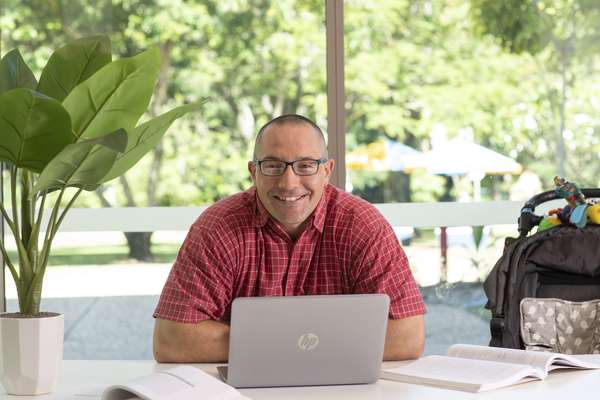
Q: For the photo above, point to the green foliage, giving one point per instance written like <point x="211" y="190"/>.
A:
<point x="14" y="73"/>
<point x="256" y="59"/>
<point x="415" y="70"/>
<point x="521" y="25"/>
<point x="144" y="138"/>
<point x="53" y="146"/>
<point x="34" y="128"/>
<point x="72" y="64"/>
<point x="116" y="98"/>
<point x="84" y="164"/>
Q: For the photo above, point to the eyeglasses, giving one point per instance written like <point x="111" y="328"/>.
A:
<point x="302" y="167"/>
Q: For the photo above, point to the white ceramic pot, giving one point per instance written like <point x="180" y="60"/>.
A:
<point x="31" y="353"/>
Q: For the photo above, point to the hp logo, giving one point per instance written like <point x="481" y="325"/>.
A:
<point x="308" y="341"/>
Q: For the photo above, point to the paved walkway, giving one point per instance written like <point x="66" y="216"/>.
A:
<point x="120" y="327"/>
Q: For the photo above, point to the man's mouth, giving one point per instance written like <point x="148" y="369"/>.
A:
<point x="290" y="199"/>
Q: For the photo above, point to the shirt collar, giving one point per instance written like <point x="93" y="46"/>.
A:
<point x="262" y="216"/>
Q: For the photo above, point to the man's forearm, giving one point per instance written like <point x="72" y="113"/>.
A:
<point x="405" y="339"/>
<point x="207" y="341"/>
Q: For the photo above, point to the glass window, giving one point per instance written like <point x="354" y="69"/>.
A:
<point x="461" y="101"/>
<point x="253" y="60"/>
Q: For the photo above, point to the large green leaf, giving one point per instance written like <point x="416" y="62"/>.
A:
<point x="114" y="97"/>
<point x="33" y="128"/>
<point x="144" y="137"/>
<point x="82" y="164"/>
<point x="72" y="64"/>
<point x="14" y="73"/>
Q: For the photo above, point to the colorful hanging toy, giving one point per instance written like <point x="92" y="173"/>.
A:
<point x="577" y="211"/>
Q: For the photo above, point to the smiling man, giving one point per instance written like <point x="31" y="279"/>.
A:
<point x="291" y="234"/>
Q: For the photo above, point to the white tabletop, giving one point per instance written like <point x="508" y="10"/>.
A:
<point x="90" y="377"/>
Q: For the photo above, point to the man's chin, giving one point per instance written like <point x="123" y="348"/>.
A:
<point x="291" y="222"/>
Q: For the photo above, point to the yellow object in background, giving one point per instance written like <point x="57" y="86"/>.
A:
<point x="593" y="213"/>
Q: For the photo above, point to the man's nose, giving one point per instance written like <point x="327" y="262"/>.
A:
<point x="288" y="179"/>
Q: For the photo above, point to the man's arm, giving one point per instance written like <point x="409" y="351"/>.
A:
<point x="177" y="342"/>
<point x="405" y="339"/>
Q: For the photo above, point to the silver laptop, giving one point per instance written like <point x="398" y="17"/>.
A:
<point x="306" y="340"/>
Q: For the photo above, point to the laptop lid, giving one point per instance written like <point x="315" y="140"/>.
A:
<point x="307" y="340"/>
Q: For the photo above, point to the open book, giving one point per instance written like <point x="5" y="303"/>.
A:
<point x="478" y="368"/>
<point x="179" y="383"/>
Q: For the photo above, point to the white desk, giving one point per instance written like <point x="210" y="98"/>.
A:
<point x="91" y="376"/>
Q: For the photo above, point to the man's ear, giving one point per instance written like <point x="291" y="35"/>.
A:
<point x="252" y="170"/>
<point x="328" y="168"/>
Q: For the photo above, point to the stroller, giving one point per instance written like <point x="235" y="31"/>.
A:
<point x="544" y="291"/>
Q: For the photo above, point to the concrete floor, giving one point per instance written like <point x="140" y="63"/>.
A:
<point x="120" y="327"/>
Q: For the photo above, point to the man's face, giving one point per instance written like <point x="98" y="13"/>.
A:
<point x="290" y="198"/>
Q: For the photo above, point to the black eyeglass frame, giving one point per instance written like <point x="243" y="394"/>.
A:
<point x="292" y="163"/>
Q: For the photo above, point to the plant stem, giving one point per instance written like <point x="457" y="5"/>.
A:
<point x="25" y="267"/>
<point x="6" y="216"/>
<point x="34" y="293"/>
<point x="64" y="213"/>
<point x="35" y="232"/>
<point x="27" y="208"/>
<point x="13" y="196"/>
<point x="27" y="215"/>
<point x="55" y="225"/>
<point x="11" y="267"/>
<point x="50" y="228"/>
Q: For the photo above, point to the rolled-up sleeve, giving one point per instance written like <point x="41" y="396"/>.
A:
<point x="381" y="266"/>
<point x="199" y="286"/>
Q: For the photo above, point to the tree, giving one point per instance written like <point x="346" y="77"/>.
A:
<point x="256" y="59"/>
<point x="563" y="37"/>
<point x="415" y="69"/>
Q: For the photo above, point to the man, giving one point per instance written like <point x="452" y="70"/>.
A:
<point x="290" y="234"/>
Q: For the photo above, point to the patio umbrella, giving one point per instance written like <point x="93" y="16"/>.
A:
<point x="462" y="157"/>
<point x="384" y="155"/>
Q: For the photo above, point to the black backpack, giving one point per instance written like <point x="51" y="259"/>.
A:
<point x="562" y="262"/>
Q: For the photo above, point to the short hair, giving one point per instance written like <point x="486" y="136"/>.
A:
<point x="290" y="119"/>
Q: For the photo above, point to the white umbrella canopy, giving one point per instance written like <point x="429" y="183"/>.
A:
<point x="462" y="157"/>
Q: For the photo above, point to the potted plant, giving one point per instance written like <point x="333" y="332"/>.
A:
<point x="72" y="130"/>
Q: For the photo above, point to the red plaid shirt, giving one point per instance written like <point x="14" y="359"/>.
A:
<point x="235" y="249"/>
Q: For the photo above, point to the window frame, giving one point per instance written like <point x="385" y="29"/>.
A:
<point x="418" y="215"/>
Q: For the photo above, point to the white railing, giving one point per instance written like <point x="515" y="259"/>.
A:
<point x="418" y="215"/>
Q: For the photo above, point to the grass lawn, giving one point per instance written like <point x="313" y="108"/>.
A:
<point x="99" y="255"/>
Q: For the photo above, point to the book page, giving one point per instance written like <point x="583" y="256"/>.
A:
<point x="462" y="373"/>
<point x="545" y="361"/>
<point x="588" y="358"/>
<point x="537" y="359"/>
<point x="181" y="383"/>
<point x="579" y="361"/>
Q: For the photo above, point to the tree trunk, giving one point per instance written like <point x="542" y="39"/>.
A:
<point x="139" y="245"/>
<point x="397" y="188"/>
<point x="561" y="130"/>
